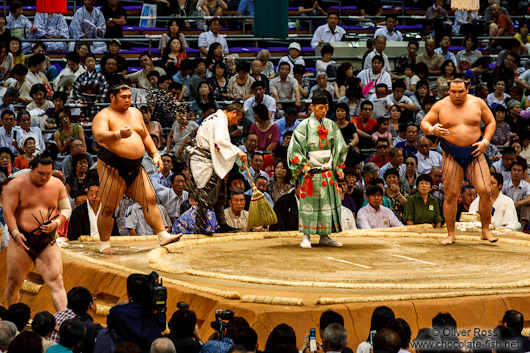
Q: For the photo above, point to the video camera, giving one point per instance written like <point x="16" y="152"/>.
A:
<point x="157" y="293"/>
<point x="221" y="320"/>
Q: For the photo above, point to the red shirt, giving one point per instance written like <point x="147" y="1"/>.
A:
<point x="378" y="161"/>
<point x="504" y="22"/>
<point x="368" y="128"/>
<point x="268" y="165"/>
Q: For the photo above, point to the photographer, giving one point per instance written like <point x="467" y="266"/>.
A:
<point x="136" y="320"/>
<point x="182" y="326"/>
<point x="232" y="332"/>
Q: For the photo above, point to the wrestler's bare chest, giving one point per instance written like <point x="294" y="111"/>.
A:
<point x="452" y="116"/>
<point x="32" y="197"/>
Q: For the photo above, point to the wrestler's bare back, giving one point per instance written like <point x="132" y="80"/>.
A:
<point x="462" y="121"/>
<point x="109" y="119"/>
<point x="32" y="200"/>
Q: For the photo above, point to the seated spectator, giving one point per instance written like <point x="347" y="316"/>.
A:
<point x="478" y="68"/>
<point x="110" y="71"/>
<point x="259" y="97"/>
<point x="186" y="222"/>
<point x="136" y="224"/>
<point x="395" y="161"/>
<point x="423" y="207"/>
<point x="255" y="168"/>
<point x="287" y="138"/>
<point x="256" y="69"/>
<point x="281" y="181"/>
<point x="374" y="75"/>
<point x="72" y="332"/>
<point x="6" y="160"/>
<point x="502" y="130"/>
<point x="409" y="146"/>
<point x="288" y="123"/>
<point x="481" y="91"/>
<point x="8" y="332"/>
<point x="469" y="55"/>
<point x="329" y="32"/>
<point x="218" y="82"/>
<point x="19" y="314"/>
<point x="286" y="209"/>
<point x="140" y="76"/>
<point x="395" y="193"/>
<point x="173" y="56"/>
<point x="75" y="183"/>
<point x="24" y="130"/>
<point x="395" y="118"/>
<point x="285" y="87"/>
<point x="346" y="215"/>
<point x="507" y="71"/>
<point x="40" y="104"/>
<point x="236" y="216"/>
<point x="135" y="322"/>
<point x="268" y="67"/>
<point x="409" y="58"/>
<point x="28" y="145"/>
<point x="204" y="97"/>
<point x="515" y="321"/>
<point x="408" y="179"/>
<point x="443" y="50"/>
<point x="353" y="98"/>
<point x="84" y="217"/>
<point x="380" y="46"/>
<point x="261" y="183"/>
<point x="198" y="76"/>
<point x="322" y="85"/>
<point x="172" y="198"/>
<point x="17" y="81"/>
<point x="432" y="59"/>
<point x="501" y="26"/>
<point x="381" y="184"/>
<point x="504" y="214"/>
<point x="375" y="215"/>
<point x="365" y="124"/>
<point x="381" y="131"/>
<point x="448" y="72"/>
<point x="347" y="128"/>
<point x="518" y="190"/>
<point x="115" y="18"/>
<point x="322" y="64"/>
<point x="240" y="85"/>
<point x="468" y="196"/>
<point x="182" y="331"/>
<point x="83" y="49"/>
<point x="370" y="172"/>
<point x="7" y="132"/>
<point x="411" y="79"/>
<point x="26" y="342"/>
<point x="388" y="31"/>
<point x="523" y="36"/>
<point x="343" y="79"/>
<point x="173" y="31"/>
<point x="303" y="81"/>
<point x="498" y="97"/>
<point x="79" y="29"/>
<point x="180" y="133"/>
<point x="467" y="22"/>
<point x="268" y="132"/>
<point x="35" y="75"/>
<point x="212" y="36"/>
<point x="77" y="146"/>
<point x="381" y="157"/>
<point x="15" y="48"/>
<point x="90" y="87"/>
<point x="64" y="81"/>
<point x="52" y="26"/>
<point x="504" y="165"/>
<point x="428" y="102"/>
<point x="167" y="171"/>
<point x="66" y="131"/>
<point x="427" y="158"/>
<point x="422" y="90"/>
<point x="43" y="324"/>
<point x="292" y="58"/>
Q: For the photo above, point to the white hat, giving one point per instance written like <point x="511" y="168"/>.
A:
<point x="295" y="45"/>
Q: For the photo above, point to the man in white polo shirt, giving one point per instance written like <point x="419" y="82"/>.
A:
<point x="329" y="32"/>
<point x="212" y="36"/>
<point x="388" y="31"/>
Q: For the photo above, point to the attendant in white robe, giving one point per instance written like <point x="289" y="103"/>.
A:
<point x="89" y="22"/>
<point x="210" y="161"/>
<point x="52" y="26"/>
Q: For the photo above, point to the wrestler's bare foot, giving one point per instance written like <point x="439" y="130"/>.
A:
<point x="486" y="235"/>
<point x="449" y="240"/>
<point x="165" y="238"/>
<point x="108" y="251"/>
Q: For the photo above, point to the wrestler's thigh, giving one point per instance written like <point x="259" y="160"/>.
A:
<point x="49" y="263"/>
<point x="18" y="262"/>
<point x="480" y="176"/>
<point x="141" y="190"/>
<point x="452" y="174"/>
<point x="111" y="185"/>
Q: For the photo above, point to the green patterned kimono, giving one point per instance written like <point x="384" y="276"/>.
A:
<point x="320" y="203"/>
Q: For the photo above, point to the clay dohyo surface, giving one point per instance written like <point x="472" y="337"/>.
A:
<point x="378" y="266"/>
